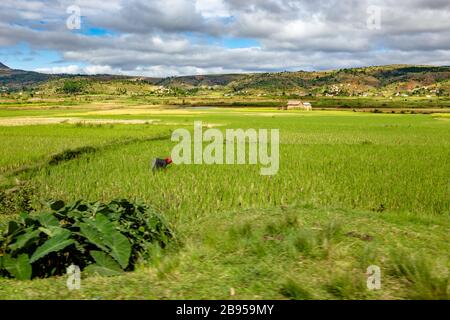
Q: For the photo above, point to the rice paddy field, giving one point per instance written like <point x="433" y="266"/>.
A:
<point x="353" y="190"/>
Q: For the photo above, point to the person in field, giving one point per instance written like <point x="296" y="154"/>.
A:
<point x="158" y="163"/>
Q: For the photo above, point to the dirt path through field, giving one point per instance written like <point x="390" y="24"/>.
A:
<point x="27" y="121"/>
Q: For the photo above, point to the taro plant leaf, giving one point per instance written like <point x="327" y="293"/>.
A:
<point x="48" y="220"/>
<point x="104" y="265"/>
<point x="112" y="215"/>
<point x="101" y="208"/>
<point x="56" y="243"/>
<point x="93" y="235"/>
<point x="19" y="268"/>
<point x="120" y="248"/>
<point x="73" y="214"/>
<point x="27" y="220"/>
<point x="117" y="242"/>
<point x="24" y="239"/>
<point x="53" y="231"/>
<point x="107" y="235"/>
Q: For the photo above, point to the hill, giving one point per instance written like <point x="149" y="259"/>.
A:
<point x="13" y="79"/>
<point x="385" y="80"/>
<point x="346" y="81"/>
<point x="17" y="79"/>
<point x="201" y="80"/>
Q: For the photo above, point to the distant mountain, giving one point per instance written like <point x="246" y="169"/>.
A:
<point x="201" y="80"/>
<point x="17" y="79"/>
<point x="346" y="81"/>
<point x="356" y="81"/>
<point x="3" y="67"/>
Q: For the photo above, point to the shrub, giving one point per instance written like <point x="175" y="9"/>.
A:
<point x="71" y="86"/>
<point x="104" y="239"/>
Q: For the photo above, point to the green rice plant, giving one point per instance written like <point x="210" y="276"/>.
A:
<point x="21" y="146"/>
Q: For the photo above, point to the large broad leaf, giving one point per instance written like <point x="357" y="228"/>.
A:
<point x="19" y="268"/>
<point x="93" y="235"/>
<point x="102" y="232"/>
<point x="104" y="265"/>
<point x="24" y="239"/>
<point x="120" y="248"/>
<point x="53" y="244"/>
<point x="54" y="231"/>
<point x="27" y="220"/>
<point x="48" y="220"/>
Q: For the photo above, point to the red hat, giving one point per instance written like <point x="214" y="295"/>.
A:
<point x="168" y="160"/>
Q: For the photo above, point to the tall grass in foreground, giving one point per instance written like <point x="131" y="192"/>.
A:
<point x="423" y="280"/>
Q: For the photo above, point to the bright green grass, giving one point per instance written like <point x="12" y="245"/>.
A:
<point x="27" y="144"/>
<point x="385" y="177"/>
<point x="365" y="162"/>
<point x="6" y="113"/>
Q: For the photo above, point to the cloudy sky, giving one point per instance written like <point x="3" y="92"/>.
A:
<point x="178" y="37"/>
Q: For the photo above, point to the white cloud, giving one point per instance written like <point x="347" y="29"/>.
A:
<point x="176" y="37"/>
<point x="72" y="69"/>
<point x="99" y="70"/>
<point x="75" y="69"/>
<point x="212" y="8"/>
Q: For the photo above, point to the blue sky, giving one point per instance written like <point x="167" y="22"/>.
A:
<point x="21" y="56"/>
<point x="178" y="37"/>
